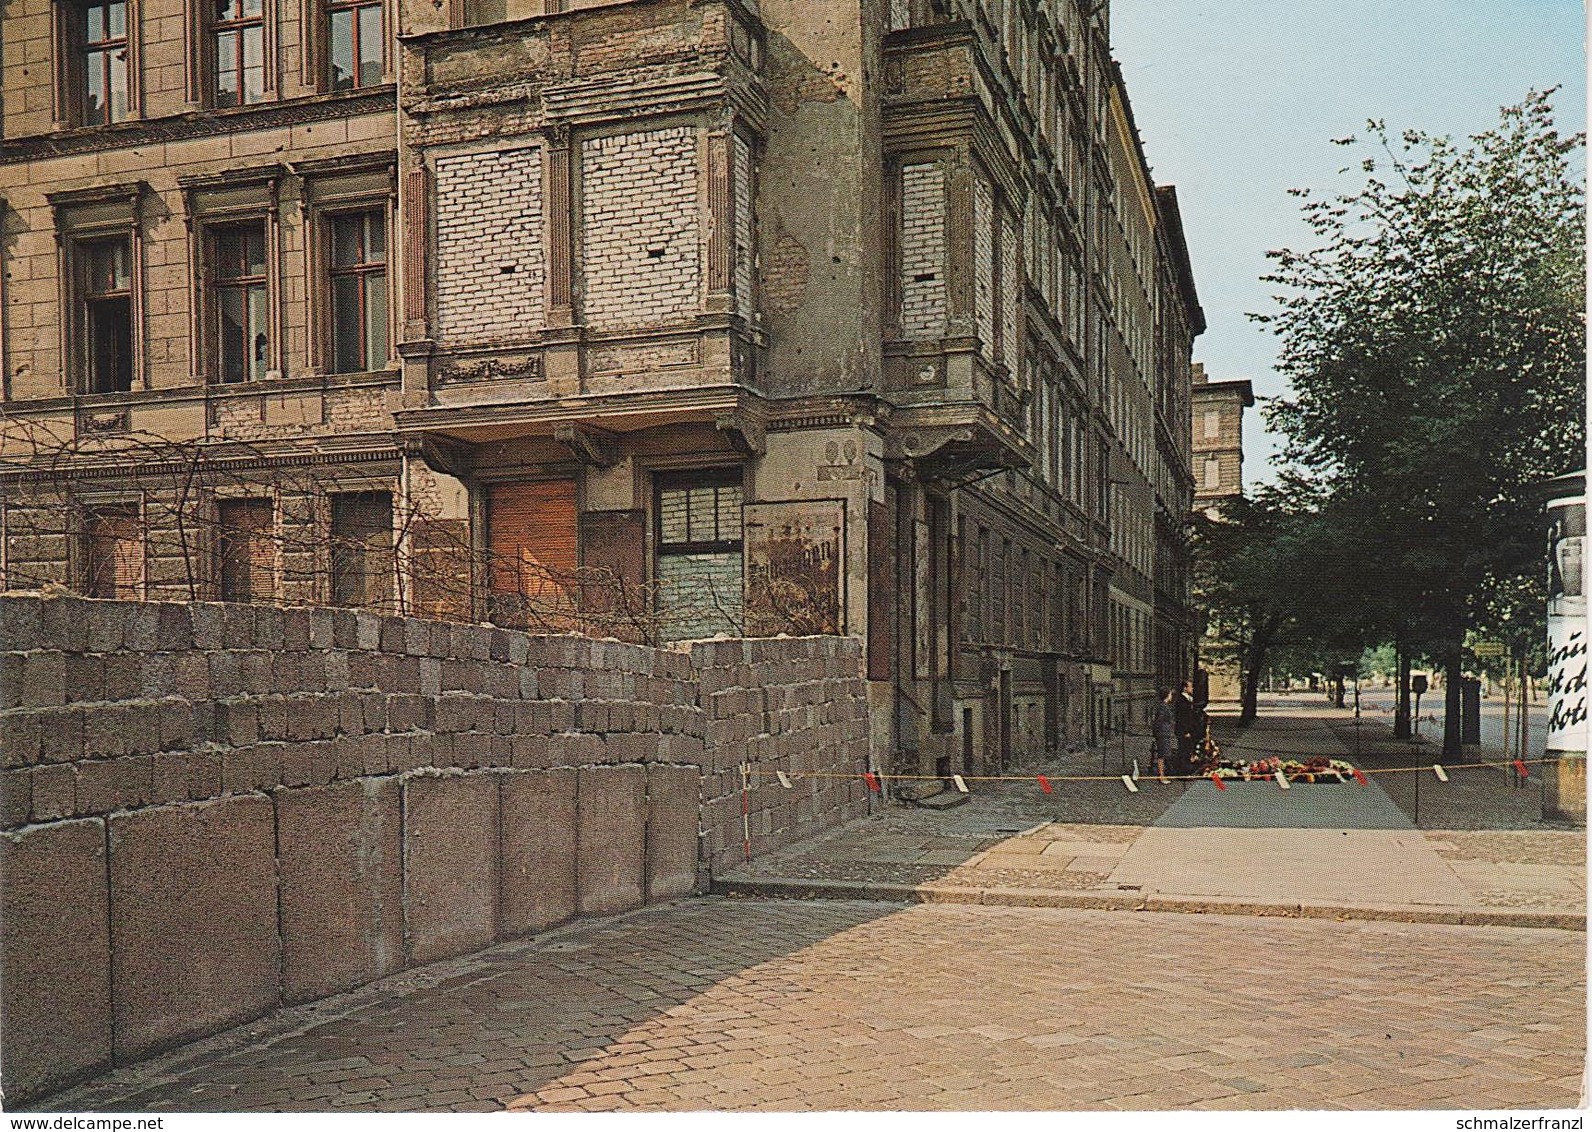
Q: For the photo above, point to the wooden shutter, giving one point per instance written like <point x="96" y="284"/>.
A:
<point x="531" y="534"/>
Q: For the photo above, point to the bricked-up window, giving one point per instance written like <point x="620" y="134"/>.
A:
<point x="699" y="554"/>
<point x="473" y="13"/>
<point x="362" y="562"/>
<point x="105" y="297"/>
<point x="246" y="549"/>
<point x="355" y="46"/>
<point x="358" y="285"/>
<point x="239" y="301"/>
<point x="113" y="551"/>
<point x="97" y="53"/>
<point x="237" y="51"/>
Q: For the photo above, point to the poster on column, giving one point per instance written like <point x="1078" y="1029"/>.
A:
<point x="794" y="555"/>
<point x="1567" y="627"/>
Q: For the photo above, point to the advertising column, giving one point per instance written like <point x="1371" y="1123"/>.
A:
<point x="1565" y="774"/>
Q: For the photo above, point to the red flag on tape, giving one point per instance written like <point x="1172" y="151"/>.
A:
<point x="1360" y="778"/>
<point x="1521" y="768"/>
<point x="1044" y="784"/>
<point x="1220" y="785"/>
<point x="872" y="780"/>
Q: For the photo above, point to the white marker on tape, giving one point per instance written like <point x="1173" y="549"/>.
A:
<point x="784" y="779"/>
<point x="1442" y="775"/>
<point x="960" y="785"/>
<point x="1282" y="779"/>
<point x="1127" y="780"/>
<point x="1135" y="770"/>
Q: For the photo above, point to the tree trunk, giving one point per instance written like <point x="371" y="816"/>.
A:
<point x="1401" y="712"/>
<point x="1254" y="662"/>
<point x="1453" y="680"/>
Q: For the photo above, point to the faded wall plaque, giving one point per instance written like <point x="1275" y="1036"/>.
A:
<point x="794" y="553"/>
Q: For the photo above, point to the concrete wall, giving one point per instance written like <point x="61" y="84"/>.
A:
<point x="208" y="810"/>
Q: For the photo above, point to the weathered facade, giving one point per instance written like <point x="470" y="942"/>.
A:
<point x="657" y="318"/>
<point x="1218" y="419"/>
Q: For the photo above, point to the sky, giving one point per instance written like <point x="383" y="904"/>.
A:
<point x="1238" y="101"/>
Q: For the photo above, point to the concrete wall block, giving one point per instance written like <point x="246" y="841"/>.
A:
<point x="44" y="680"/>
<point x="673" y="812"/>
<point x="55" y="962"/>
<point x="342" y="886"/>
<point x="64" y="623"/>
<point x="451" y="829"/>
<point x="114" y="784"/>
<point x="610" y="839"/>
<point x="21" y="623"/>
<point x="16" y="797"/>
<point x="193" y="921"/>
<point x="539" y="854"/>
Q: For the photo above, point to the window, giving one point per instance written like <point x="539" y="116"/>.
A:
<point x="97" y="54"/>
<point x="699" y="555"/>
<point x="247" y="550"/>
<point x="362" y="561"/>
<point x="358" y="272"/>
<point x="1213" y="423"/>
<point x="105" y="295"/>
<point x="113" y="552"/>
<point x="237" y="44"/>
<point x="240" y="307"/>
<point x="354" y="35"/>
<point x="1213" y="473"/>
<point x="474" y="13"/>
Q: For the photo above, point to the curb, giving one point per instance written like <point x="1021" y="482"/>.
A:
<point x="780" y="888"/>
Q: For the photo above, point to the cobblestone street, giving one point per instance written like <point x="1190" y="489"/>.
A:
<point x="746" y="1004"/>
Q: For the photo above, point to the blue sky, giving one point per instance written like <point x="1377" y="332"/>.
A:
<point x="1238" y="101"/>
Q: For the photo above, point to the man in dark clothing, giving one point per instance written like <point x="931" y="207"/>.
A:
<point x="1187" y="718"/>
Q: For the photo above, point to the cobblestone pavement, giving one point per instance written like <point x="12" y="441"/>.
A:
<point x="731" y="1004"/>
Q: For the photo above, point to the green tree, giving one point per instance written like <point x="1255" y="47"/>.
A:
<point x="1436" y="348"/>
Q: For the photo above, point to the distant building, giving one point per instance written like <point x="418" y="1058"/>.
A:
<point x="1218" y="415"/>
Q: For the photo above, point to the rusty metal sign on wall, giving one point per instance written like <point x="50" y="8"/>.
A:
<point x="794" y="554"/>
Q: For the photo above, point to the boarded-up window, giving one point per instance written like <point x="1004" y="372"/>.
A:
<point x="531" y="533"/>
<point x="113" y="552"/>
<point x="362" y="549"/>
<point x="247" y="549"/>
<point x="793" y="553"/>
<point x="699" y="556"/>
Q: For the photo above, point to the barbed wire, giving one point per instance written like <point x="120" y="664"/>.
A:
<point x="133" y="514"/>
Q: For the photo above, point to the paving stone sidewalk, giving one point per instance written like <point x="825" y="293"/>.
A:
<point x="795" y="1006"/>
<point x="1317" y="849"/>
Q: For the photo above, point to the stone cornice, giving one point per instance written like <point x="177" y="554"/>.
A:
<point x="199" y="124"/>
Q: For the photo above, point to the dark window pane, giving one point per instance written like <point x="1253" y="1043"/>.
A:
<point x="348" y="240"/>
<point x="342" y="52"/>
<point x="375" y="321"/>
<point x="370" y="45"/>
<point x="232" y="305"/>
<point x="108" y="267"/>
<point x="347" y="330"/>
<point x="376" y="242"/>
<point x="110" y="329"/>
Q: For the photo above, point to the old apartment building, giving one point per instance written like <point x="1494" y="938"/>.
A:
<point x="1218" y="418"/>
<point x="658" y="318"/>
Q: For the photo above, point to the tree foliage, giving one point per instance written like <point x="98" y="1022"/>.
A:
<point x="1435" y="346"/>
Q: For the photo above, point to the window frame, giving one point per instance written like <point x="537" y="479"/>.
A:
<point x="203" y="57"/>
<point x="249" y="196"/>
<point x="69" y="33"/>
<point x="84" y="218"/>
<point x="320" y="65"/>
<point x="329" y="272"/>
<point x="216" y="283"/>
<point x="87" y="510"/>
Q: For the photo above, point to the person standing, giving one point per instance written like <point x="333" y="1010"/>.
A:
<point x="1165" y="728"/>
<point x="1186" y="718"/>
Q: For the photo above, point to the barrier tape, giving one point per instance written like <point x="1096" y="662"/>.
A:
<point x="1047" y="782"/>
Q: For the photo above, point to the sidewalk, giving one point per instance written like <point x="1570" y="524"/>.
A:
<point x="1477" y="856"/>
